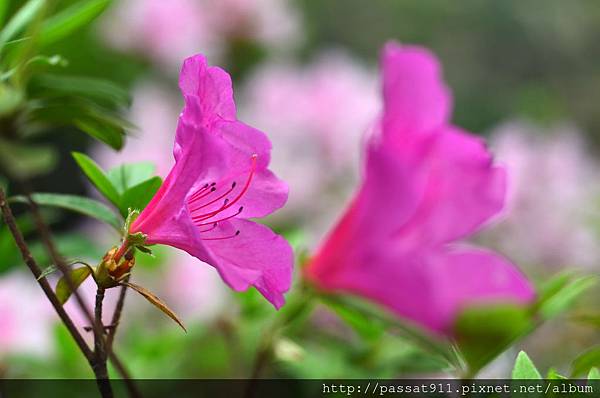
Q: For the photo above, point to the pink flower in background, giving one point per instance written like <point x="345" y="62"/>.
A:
<point x="553" y="183"/>
<point x="220" y="179"/>
<point x="316" y="118"/>
<point x="192" y="291"/>
<point x="426" y="185"/>
<point x="169" y="30"/>
<point x="26" y="317"/>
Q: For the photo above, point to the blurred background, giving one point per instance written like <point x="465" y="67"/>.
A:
<point x="524" y="74"/>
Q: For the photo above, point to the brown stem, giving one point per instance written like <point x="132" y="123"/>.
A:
<point x="132" y="389"/>
<point x="59" y="261"/>
<point x="43" y="282"/>
<point x="99" y="366"/>
<point x="116" y="316"/>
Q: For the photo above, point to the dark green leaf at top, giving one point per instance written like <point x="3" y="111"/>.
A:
<point x="71" y="19"/>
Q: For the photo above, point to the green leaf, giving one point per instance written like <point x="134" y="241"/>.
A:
<point x="79" y="204"/>
<point x="588" y="319"/>
<point x="19" y="21"/>
<point x="483" y="333"/>
<point x="585" y="362"/>
<point x="78" y="275"/>
<point x="97" y="177"/>
<point x="128" y="175"/>
<point x="365" y="326"/>
<point x="554" y="375"/>
<point x="10" y="99"/>
<point x="70" y="19"/>
<point x="138" y="196"/>
<point x="594" y="374"/>
<point x="561" y="294"/>
<point x="25" y="161"/>
<point x="110" y="135"/>
<point x="524" y="368"/>
<point x="91" y="88"/>
<point x="48" y="271"/>
<point x="88" y="116"/>
<point x="3" y="11"/>
<point x="158" y="303"/>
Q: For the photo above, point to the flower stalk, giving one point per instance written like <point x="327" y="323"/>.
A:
<point x="28" y="259"/>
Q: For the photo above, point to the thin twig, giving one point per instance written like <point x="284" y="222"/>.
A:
<point x="43" y="282"/>
<point x="100" y="368"/>
<point x="98" y="329"/>
<point x="132" y="388"/>
<point x="59" y="261"/>
<point x="116" y="316"/>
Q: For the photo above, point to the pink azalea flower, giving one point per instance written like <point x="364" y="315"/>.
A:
<point x="289" y="100"/>
<point x="553" y="186"/>
<point x="220" y="179"/>
<point x="168" y="30"/>
<point x="426" y="185"/>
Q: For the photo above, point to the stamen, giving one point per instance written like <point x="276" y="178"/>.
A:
<point x="201" y="193"/>
<point x="237" y="198"/>
<point x="214" y="225"/>
<point x="195" y="219"/>
<point x="224" y="237"/>
<point x="212" y="201"/>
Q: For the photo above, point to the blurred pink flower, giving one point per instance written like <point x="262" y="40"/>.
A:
<point x="427" y="184"/>
<point x="219" y="181"/>
<point x="192" y="291"/>
<point x="26" y="317"/>
<point x="316" y="118"/>
<point x="552" y="191"/>
<point x="170" y="30"/>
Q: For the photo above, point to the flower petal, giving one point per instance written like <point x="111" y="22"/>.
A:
<point x="429" y="288"/>
<point x="256" y="257"/>
<point x="210" y="84"/>
<point x="416" y="98"/>
<point x="464" y="189"/>
<point x="474" y="276"/>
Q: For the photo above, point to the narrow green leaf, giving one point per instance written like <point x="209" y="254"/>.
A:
<point x="79" y="204"/>
<point x="554" y="375"/>
<point x="585" y="362"/>
<point x="484" y="332"/>
<point x="594" y="374"/>
<point x="366" y="327"/>
<point x="78" y="276"/>
<point x="3" y="11"/>
<point x="138" y="196"/>
<point x="48" y="271"/>
<point x="25" y="161"/>
<point x="524" y="368"/>
<point x="562" y="299"/>
<point x="158" y="303"/>
<point x="70" y="19"/>
<point x="93" y="88"/>
<point x="110" y="135"/>
<point x="97" y="177"/>
<point x="129" y="175"/>
<point x="592" y="319"/>
<point x="19" y="21"/>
